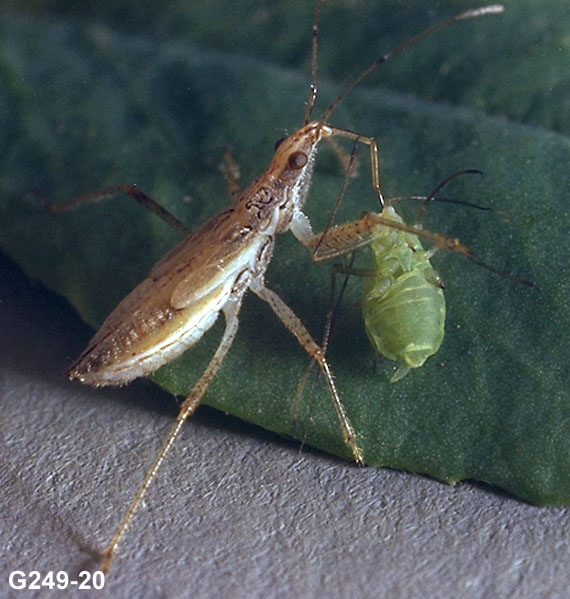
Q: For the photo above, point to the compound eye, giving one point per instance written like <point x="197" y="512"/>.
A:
<point x="278" y="143"/>
<point x="297" y="160"/>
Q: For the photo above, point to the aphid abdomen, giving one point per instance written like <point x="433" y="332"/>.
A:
<point x="407" y="322"/>
<point x="403" y="303"/>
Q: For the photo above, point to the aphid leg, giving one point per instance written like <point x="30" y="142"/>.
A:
<point x="188" y="407"/>
<point x="132" y="192"/>
<point x="292" y="322"/>
<point x="230" y="169"/>
<point x="452" y="244"/>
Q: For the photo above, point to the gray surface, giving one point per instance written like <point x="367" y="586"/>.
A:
<point x="236" y="512"/>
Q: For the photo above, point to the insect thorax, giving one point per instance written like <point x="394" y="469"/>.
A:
<point x="398" y="252"/>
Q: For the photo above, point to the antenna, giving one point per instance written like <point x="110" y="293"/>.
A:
<point x="492" y="9"/>
<point x="314" y="43"/>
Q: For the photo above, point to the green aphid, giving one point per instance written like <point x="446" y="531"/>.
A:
<point x="402" y="301"/>
<point x="403" y="305"/>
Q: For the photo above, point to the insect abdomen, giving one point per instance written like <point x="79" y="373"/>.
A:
<point x="145" y="340"/>
<point x="407" y="322"/>
<point x="403" y="303"/>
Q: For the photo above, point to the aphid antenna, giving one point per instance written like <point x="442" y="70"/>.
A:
<point x="394" y="51"/>
<point x="433" y="197"/>
<point x="438" y="240"/>
<point x="469" y="254"/>
<point x="440" y="200"/>
<point x="423" y="207"/>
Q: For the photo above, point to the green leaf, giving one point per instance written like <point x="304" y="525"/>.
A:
<point x="83" y="107"/>
<point x="515" y="65"/>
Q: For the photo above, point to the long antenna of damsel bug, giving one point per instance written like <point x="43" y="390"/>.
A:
<point x="492" y="9"/>
<point x="314" y="44"/>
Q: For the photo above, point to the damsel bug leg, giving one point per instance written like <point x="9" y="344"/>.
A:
<point x="331" y="311"/>
<point x="210" y="270"/>
<point x="292" y="322"/>
<point x="188" y="407"/>
<point x="230" y="169"/>
<point x="132" y="191"/>
<point x="403" y="304"/>
<point x="345" y="238"/>
<point x="347" y="160"/>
